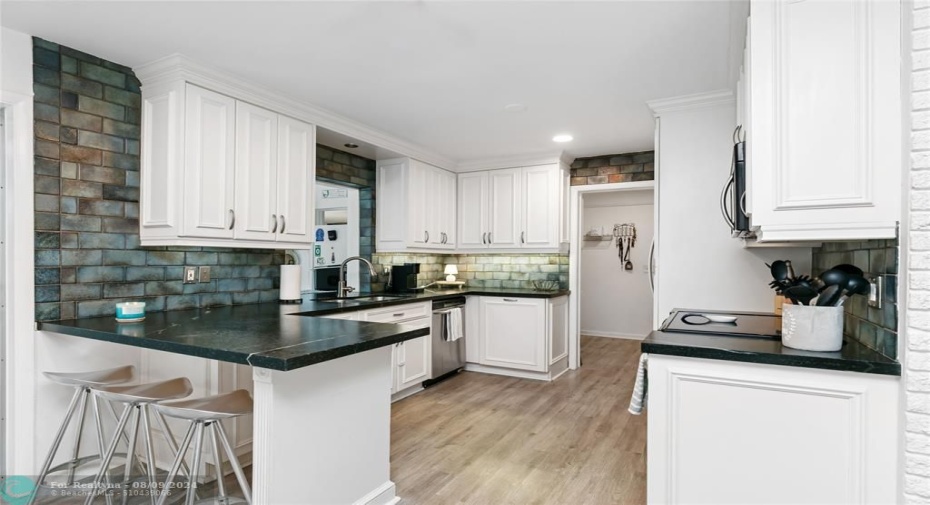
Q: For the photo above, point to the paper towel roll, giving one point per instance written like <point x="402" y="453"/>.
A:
<point x="290" y="283"/>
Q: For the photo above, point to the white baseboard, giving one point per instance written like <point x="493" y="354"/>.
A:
<point x="509" y="372"/>
<point x="385" y="494"/>
<point x="610" y="334"/>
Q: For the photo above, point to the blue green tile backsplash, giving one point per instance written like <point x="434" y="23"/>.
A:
<point x="876" y="328"/>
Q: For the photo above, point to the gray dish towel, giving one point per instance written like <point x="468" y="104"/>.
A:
<point x="641" y="387"/>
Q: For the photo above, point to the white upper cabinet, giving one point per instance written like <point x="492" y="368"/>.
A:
<point x="514" y="208"/>
<point x="473" y="210"/>
<point x="416" y="206"/>
<point x="296" y="177"/>
<point x="826" y="136"/>
<point x="256" y="172"/>
<point x="245" y="173"/>
<point x="209" y="175"/>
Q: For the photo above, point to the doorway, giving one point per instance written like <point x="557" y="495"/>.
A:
<point x="3" y="280"/>
<point x="336" y="237"/>
<point x="616" y="293"/>
<point x="610" y="204"/>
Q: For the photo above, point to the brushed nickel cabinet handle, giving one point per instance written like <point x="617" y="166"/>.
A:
<point x="283" y="223"/>
<point x="274" y="223"/>
<point x="522" y="237"/>
<point x="484" y="238"/>
<point x="511" y="300"/>
<point x="398" y="315"/>
<point x="427" y="237"/>
<point x="490" y="237"/>
<point x="232" y="218"/>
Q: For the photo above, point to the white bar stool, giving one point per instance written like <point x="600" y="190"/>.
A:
<point x="83" y="383"/>
<point x="208" y="412"/>
<point x="137" y="398"/>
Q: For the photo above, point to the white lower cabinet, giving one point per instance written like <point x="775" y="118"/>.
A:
<point x="522" y="337"/>
<point x="411" y="359"/>
<point x="745" y="433"/>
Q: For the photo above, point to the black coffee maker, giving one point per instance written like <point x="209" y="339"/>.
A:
<point x="404" y="278"/>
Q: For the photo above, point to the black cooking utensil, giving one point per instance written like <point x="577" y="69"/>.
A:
<point x="779" y="270"/>
<point x="830" y="295"/>
<point x="834" y="278"/>
<point x="848" y="269"/>
<point x="801" y="294"/>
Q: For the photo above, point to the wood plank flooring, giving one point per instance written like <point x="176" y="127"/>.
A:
<point x="488" y="440"/>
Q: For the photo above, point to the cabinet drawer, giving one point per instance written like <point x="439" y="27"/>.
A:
<point x="397" y="313"/>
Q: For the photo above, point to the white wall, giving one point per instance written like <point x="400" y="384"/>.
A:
<point x="914" y="345"/>
<point x="698" y="265"/>
<point x="616" y="302"/>
<point x="20" y="375"/>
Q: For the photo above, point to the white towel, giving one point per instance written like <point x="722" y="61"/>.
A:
<point x="641" y="387"/>
<point x="454" y="325"/>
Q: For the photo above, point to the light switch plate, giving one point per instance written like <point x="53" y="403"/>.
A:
<point x="204" y="274"/>
<point x="877" y="291"/>
<point x="190" y="275"/>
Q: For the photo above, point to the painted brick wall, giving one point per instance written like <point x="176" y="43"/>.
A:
<point x="351" y="170"/>
<point x="629" y="167"/>
<point x="485" y="270"/>
<point x="916" y="352"/>
<point x="876" y="328"/>
<point x="87" y="126"/>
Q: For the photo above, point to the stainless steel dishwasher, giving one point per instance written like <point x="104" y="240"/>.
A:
<point x="448" y="357"/>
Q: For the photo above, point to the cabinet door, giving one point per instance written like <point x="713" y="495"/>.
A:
<point x="413" y="362"/>
<point x="256" y="172"/>
<point x="826" y="119"/>
<point x="540" y="212"/>
<point x="391" y="200"/>
<point x="447" y="208"/>
<point x="504" y="198"/>
<point x="296" y="176"/>
<point x="513" y="333"/>
<point x="209" y="164"/>
<point x="472" y="210"/>
<point x="432" y="206"/>
<point x="417" y="210"/>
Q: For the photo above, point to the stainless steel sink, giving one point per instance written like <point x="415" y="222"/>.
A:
<point x="377" y="298"/>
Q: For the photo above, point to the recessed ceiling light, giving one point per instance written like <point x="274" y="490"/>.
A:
<point x="351" y="145"/>
<point x="515" y="107"/>
<point x="563" y="137"/>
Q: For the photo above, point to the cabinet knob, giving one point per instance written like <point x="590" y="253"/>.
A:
<point x="283" y="223"/>
<point x="232" y="218"/>
<point x="274" y="223"/>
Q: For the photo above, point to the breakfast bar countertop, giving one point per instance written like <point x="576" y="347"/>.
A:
<point x="264" y="335"/>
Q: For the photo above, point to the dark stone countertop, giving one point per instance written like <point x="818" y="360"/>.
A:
<point x="267" y="335"/>
<point x="853" y="357"/>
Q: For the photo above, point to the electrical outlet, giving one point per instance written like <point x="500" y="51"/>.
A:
<point x="190" y="275"/>
<point x="204" y="274"/>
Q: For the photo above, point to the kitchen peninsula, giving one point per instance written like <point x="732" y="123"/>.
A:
<point x="322" y="390"/>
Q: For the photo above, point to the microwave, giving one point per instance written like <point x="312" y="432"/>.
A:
<point x="733" y="196"/>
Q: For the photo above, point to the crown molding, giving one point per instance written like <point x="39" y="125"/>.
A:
<point x="179" y="67"/>
<point x="523" y="160"/>
<point x="689" y="102"/>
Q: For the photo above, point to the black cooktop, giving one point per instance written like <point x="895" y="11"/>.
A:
<point x="744" y="324"/>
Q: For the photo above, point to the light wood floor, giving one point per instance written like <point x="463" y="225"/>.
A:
<point x="488" y="440"/>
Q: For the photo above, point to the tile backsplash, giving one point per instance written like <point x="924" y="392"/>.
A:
<point x="876" y="328"/>
<point x="484" y="270"/>
<point x="88" y="257"/>
<point x="611" y="168"/>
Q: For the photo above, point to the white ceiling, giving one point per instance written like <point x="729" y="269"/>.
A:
<point x="435" y="74"/>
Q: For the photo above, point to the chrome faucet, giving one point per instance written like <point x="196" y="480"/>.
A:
<point x="341" y="289"/>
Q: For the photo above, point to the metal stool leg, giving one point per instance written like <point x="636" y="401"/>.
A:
<point x="101" y="446"/>
<point x="217" y="462"/>
<point x="234" y="461"/>
<point x="120" y="426"/>
<point x="149" y="451"/>
<point x="173" y="472"/>
<point x="131" y="452"/>
<point x="198" y="448"/>
<point x="54" y="449"/>
<point x="75" y="453"/>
